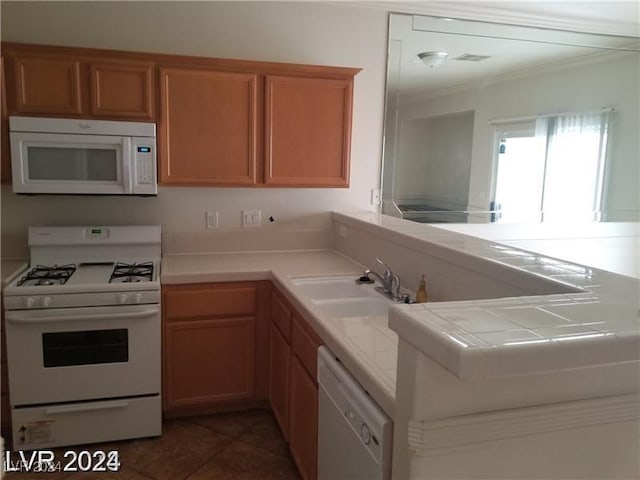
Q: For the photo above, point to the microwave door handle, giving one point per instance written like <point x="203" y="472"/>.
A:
<point x="26" y="317"/>
<point x="127" y="165"/>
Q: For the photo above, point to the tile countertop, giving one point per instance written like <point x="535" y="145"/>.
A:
<point x="477" y="339"/>
<point x="10" y="267"/>
<point x="365" y="345"/>
<point x="473" y="339"/>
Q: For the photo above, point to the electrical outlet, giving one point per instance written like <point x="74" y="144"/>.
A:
<point x="212" y="220"/>
<point x="251" y="218"/>
<point x="342" y="231"/>
<point x="375" y="196"/>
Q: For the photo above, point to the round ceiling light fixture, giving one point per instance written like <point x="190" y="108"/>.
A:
<point x="432" y="59"/>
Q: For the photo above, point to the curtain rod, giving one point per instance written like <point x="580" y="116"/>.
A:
<point x="502" y="121"/>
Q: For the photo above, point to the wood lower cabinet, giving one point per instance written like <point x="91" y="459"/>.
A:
<point x="208" y="127"/>
<point x="210" y="361"/>
<point x="303" y="420"/>
<point x="230" y="345"/>
<point x="214" y="345"/>
<point x="279" y="368"/>
<point x="293" y="383"/>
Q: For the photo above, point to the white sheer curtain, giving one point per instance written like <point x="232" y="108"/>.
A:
<point x="574" y="171"/>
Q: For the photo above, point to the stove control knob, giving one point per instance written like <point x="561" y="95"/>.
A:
<point x="122" y="298"/>
<point x="137" y="298"/>
<point x="365" y="434"/>
<point x="29" y="302"/>
<point x="46" y="301"/>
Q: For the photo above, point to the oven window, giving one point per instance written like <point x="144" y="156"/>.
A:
<point x="90" y="347"/>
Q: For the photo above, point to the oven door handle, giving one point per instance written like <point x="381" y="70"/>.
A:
<point x="23" y="317"/>
<point x="87" y="407"/>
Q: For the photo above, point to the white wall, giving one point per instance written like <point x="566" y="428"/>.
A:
<point x="296" y="32"/>
<point x="434" y="161"/>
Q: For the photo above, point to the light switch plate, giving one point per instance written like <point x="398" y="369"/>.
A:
<point x="251" y="218"/>
<point x="212" y="220"/>
<point x="375" y="196"/>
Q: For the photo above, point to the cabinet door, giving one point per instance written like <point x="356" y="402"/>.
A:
<point x="307" y="131"/>
<point x="208" y="361"/>
<point x="280" y="357"/>
<point x="121" y="89"/>
<point x="48" y="85"/>
<point x="208" y="127"/>
<point x="5" y="159"/>
<point x="5" y="404"/>
<point x="281" y="315"/>
<point x="303" y="420"/>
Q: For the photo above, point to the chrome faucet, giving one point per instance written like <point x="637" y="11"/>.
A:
<point x="389" y="281"/>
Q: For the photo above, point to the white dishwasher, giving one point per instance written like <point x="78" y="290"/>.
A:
<point x="354" y="434"/>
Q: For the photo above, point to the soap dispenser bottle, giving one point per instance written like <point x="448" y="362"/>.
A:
<point x="421" y="294"/>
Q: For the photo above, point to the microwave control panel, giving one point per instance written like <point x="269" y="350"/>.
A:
<point x="145" y="164"/>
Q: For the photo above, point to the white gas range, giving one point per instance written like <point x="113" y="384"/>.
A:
<point x="83" y="327"/>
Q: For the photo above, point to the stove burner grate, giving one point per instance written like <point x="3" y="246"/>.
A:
<point x="48" y="275"/>
<point x="132" y="272"/>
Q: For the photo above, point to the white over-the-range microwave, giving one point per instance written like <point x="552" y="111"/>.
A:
<point x="87" y="157"/>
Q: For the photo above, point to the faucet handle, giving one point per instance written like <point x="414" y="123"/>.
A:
<point x="388" y="272"/>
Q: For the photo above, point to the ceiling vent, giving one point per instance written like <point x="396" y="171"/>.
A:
<point x="469" y="57"/>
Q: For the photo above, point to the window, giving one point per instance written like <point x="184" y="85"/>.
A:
<point x="550" y="169"/>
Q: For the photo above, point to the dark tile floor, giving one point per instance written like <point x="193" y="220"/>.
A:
<point x="244" y="445"/>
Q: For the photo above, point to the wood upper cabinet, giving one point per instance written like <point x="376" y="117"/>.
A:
<point x="5" y="156"/>
<point x="208" y="127"/>
<point x="122" y="89"/>
<point x="214" y="344"/>
<point x="75" y="82"/>
<point x="47" y="85"/>
<point x="221" y="122"/>
<point x="307" y="131"/>
<point x="240" y="125"/>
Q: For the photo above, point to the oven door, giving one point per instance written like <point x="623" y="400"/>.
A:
<point x="73" y="354"/>
<point x="71" y="164"/>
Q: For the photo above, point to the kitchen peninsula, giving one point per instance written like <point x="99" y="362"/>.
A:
<point x="575" y="348"/>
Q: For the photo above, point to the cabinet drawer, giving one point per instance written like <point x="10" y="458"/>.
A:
<point x="201" y="301"/>
<point x="304" y="345"/>
<point x="281" y="316"/>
